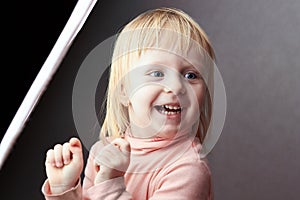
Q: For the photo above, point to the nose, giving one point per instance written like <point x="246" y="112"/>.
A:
<point x="175" y="84"/>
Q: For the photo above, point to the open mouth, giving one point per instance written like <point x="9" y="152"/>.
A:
<point x="168" y="109"/>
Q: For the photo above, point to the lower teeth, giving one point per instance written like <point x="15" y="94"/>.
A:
<point x="170" y="113"/>
<point x="162" y="110"/>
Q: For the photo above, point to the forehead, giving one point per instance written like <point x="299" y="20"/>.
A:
<point x="161" y="57"/>
<point x="141" y="47"/>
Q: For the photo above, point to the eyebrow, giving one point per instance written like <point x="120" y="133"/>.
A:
<point x="160" y="63"/>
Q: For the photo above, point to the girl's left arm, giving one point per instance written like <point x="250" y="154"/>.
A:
<point x="111" y="189"/>
<point x="188" y="179"/>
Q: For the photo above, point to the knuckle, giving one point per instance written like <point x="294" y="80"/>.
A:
<point x="67" y="144"/>
<point x="66" y="149"/>
<point x="49" y="154"/>
<point x="50" y="151"/>
<point x="57" y="146"/>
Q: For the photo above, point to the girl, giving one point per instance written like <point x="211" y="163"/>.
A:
<point x="157" y="113"/>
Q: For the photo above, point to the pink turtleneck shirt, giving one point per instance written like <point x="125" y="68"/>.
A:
<point x="159" y="169"/>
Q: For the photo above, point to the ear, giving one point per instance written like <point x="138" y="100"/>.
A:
<point x="124" y="97"/>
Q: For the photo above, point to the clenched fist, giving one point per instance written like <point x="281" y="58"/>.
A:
<point x="112" y="161"/>
<point x="64" y="164"/>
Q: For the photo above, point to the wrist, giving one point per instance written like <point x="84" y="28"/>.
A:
<point x="59" y="189"/>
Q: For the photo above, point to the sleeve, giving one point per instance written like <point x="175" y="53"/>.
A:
<point x="113" y="189"/>
<point x="71" y="194"/>
<point x="186" y="180"/>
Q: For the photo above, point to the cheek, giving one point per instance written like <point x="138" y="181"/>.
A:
<point x="141" y="105"/>
<point x="200" y="92"/>
<point x="142" y="99"/>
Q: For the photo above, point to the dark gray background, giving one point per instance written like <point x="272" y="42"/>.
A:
<point x="257" y="45"/>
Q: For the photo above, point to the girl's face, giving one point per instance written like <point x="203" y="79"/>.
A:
<point x="165" y="93"/>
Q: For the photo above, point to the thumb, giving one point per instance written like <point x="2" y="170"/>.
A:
<point x="122" y="144"/>
<point x="76" y="149"/>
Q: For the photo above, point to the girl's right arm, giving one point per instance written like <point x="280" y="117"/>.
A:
<point x="64" y="164"/>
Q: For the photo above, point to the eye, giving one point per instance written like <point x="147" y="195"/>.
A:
<point x="157" y="74"/>
<point x="191" y="75"/>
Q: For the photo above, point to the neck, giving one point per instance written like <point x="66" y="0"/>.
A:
<point x="148" y="133"/>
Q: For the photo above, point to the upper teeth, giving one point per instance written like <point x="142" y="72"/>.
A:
<point x="172" y="107"/>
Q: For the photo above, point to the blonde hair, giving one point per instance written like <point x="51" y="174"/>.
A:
<point x="138" y="35"/>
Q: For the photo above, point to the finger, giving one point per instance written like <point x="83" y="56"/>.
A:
<point x="101" y="155"/>
<point x="50" y="157"/>
<point x="76" y="149"/>
<point x="75" y="145"/>
<point x="104" y="161"/>
<point x="114" y="158"/>
<point x="122" y="144"/>
<point x="58" y="155"/>
<point x="106" y="154"/>
<point x="66" y="153"/>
